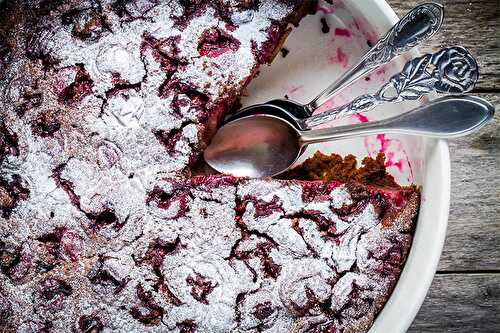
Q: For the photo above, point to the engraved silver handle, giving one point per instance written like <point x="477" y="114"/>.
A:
<point x="451" y="70"/>
<point x="446" y="117"/>
<point x="418" y="25"/>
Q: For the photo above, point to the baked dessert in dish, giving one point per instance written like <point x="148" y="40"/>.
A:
<point x="105" y="108"/>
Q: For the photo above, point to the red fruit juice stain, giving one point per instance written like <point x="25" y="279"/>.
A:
<point x="361" y="117"/>
<point x="343" y="32"/>
<point x="385" y="144"/>
<point x="325" y="10"/>
<point x="357" y="24"/>
<point x="339" y="58"/>
<point x="294" y="90"/>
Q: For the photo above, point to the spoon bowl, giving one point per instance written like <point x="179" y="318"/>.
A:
<point x="254" y="146"/>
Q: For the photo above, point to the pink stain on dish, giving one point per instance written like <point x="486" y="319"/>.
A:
<point x="331" y="103"/>
<point x="361" y="117"/>
<point x="342" y="58"/>
<point x="343" y="32"/>
<point x="335" y="101"/>
<point x="391" y="163"/>
<point x="360" y="25"/>
<point x="325" y="10"/>
<point x="339" y="58"/>
<point x="384" y="143"/>
<point x="380" y="72"/>
<point x="294" y="90"/>
<point x="397" y="145"/>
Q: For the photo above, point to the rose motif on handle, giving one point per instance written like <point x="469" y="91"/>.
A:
<point x="451" y="70"/>
<point x="456" y="70"/>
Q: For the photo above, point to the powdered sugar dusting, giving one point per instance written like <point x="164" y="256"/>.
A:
<point x="231" y="254"/>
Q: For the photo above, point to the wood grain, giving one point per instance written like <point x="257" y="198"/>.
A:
<point x="465" y="294"/>
<point x="461" y="303"/>
<point x="473" y="238"/>
<point x="474" y="24"/>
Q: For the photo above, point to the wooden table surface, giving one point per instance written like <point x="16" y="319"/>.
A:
<point x="465" y="293"/>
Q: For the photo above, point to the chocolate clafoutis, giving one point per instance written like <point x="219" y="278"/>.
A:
<point x="106" y="107"/>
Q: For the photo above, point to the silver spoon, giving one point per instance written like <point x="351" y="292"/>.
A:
<point x="418" y="25"/>
<point x="266" y="145"/>
<point x="451" y="70"/>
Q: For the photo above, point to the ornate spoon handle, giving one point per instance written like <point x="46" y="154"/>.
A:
<point x="418" y="25"/>
<point x="451" y="70"/>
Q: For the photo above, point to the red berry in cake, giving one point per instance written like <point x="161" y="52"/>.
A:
<point x="262" y="311"/>
<point x="52" y="294"/>
<point x="163" y="199"/>
<point x="262" y="251"/>
<point x="215" y="42"/>
<point x="157" y="251"/>
<point x="264" y="208"/>
<point x="201" y="287"/>
<point x="45" y="125"/>
<point x="86" y="21"/>
<point x="105" y="219"/>
<point x="104" y="279"/>
<point x="165" y="51"/>
<point x="73" y="84"/>
<point x="175" y="87"/>
<point x="60" y="244"/>
<point x="90" y="324"/>
<point x="147" y="311"/>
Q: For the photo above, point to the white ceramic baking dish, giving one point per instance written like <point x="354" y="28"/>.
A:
<point x="312" y="64"/>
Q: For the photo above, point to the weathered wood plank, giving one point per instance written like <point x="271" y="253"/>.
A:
<point x="474" y="24"/>
<point x="473" y="236"/>
<point x="461" y="303"/>
<point x="469" y="302"/>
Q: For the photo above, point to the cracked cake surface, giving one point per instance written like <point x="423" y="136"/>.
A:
<point x="105" y="107"/>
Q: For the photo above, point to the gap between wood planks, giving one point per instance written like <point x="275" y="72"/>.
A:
<point x="491" y="271"/>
